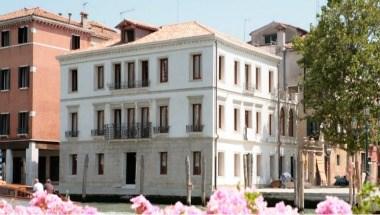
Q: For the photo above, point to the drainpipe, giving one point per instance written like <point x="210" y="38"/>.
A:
<point x="216" y="118"/>
<point x="278" y="122"/>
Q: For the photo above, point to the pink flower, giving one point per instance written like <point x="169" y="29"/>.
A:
<point x="142" y="206"/>
<point x="333" y="205"/>
<point x="227" y="202"/>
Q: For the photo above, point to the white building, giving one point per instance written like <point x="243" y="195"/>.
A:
<point x="139" y="107"/>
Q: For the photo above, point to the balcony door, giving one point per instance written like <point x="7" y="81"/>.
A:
<point x="117" y="122"/>
<point x="145" y="122"/>
<point x="131" y="75"/>
<point x="144" y="73"/>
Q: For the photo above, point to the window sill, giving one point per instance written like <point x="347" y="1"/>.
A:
<point x="4" y="136"/>
<point x="195" y="80"/>
<point x="98" y="89"/>
<point x="129" y="186"/>
<point x="24" y="88"/>
<point x="72" y="92"/>
<point x="4" y="91"/>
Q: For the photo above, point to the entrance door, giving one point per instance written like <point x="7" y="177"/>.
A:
<point x="42" y="169"/>
<point x="18" y="167"/>
<point x="292" y="166"/>
<point x="131" y="168"/>
<point x="54" y="168"/>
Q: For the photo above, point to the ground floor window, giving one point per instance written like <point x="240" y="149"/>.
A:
<point x="130" y="168"/>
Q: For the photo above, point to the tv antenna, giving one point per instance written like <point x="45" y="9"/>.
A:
<point x="246" y="20"/>
<point x="125" y="11"/>
<point x="84" y="6"/>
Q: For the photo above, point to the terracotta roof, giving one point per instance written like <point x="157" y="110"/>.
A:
<point x="301" y="31"/>
<point x="98" y="29"/>
<point x="180" y="31"/>
<point x="137" y="23"/>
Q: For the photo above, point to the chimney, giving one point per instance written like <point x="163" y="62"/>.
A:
<point x="84" y="19"/>
<point x="70" y="17"/>
<point x="281" y="37"/>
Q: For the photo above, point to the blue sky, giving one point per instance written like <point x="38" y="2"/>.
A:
<point x="224" y="15"/>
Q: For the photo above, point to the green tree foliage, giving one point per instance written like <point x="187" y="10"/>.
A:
<point x="341" y="57"/>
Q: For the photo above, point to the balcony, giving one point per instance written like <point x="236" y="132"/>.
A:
<point x="249" y="89"/>
<point x="129" y="85"/>
<point x="134" y="131"/>
<point x="161" y="129"/>
<point x="97" y="132"/>
<point x="4" y="133"/>
<point x="194" y="128"/>
<point x="72" y="133"/>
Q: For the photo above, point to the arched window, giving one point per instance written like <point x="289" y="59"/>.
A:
<point x="291" y="123"/>
<point x="282" y="122"/>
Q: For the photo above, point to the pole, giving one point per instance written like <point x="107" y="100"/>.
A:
<point x="203" y="181"/>
<point x="142" y="174"/>
<point x="188" y="181"/>
<point x="366" y="153"/>
<point x="84" y="182"/>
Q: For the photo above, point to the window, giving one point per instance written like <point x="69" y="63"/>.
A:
<point x="248" y="119"/>
<point x="75" y="42"/>
<point x="23" y="35"/>
<point x="23" y="122"/>
<point x="4" y="123"/>
<point x="221" y="117"/>
<point x="221" y="68"/>
<point x="258" y="122"/>
<point x="220" y="164"/>
<point x="74" y="80"/>
<point x="100" y="120"/>
<point x="237" y="165"/>
<point x="128" y="35"/>
<point x="291" y="123"/>
<point x="131" y="75"/>
<point x="236" y="119"/>
<point x="282" y="122"/>
<point x="270" y="39"/>
<point x="5" y="38"/>
<point x="100" y="164"/>
<point x="270" y="84"/>
<point x="74" y="161"/>
<point x="196" y="163"/>
<point x="197" y="67"/>
<point x="197" y="116"/>
<point x="247" y="76"/>
<point x="258" y="78"/>
<point x="117" y="75"/>
<point x="74" y="124"/>
<point x="164" y="70"/>
<point x="338" y="160"/>
<point x="270" y="129"/>
<point x="258" y="165"/>
<point x="236" y="72"/>
<point x="163" y="163"/>
<point x="163" y="117"/>
<point x="5" y="79"/>
<point x="131" y="117"/>
<point x="272" y="167"/>
<point x="311" y="128"/>
<point x="23" y="77"/>
<point x="99" y="77"/>
<point x="145" y="73"/>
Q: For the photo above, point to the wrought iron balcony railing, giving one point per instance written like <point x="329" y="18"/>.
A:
<point x="98" y="132"/>
<point x="161" y="129"/>
<point x="129" y="84"/>
<point x="194" y="128"/>
<point x="125" y="131"/>
<point x="72" y="133"/>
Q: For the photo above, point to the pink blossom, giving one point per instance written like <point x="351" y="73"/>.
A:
<point x="142" y="206"/>
<point x="227" y="202"/>
<point x="333" y="205"/>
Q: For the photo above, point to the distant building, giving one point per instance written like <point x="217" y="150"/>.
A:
<point x="30" y="87"/>
<point x="323" y="163"/>
<point x="133" y="111"/>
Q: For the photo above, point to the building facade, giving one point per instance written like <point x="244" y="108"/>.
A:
<point x="140" y="107"/>
<point x="30" y="87"/>
<point x="322" y="162"/>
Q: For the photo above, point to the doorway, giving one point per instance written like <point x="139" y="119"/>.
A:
<point x="42" y="169"/>
<point x="54" y="168"/>
<point x="18" y="167"/>
<point x="131" y="168"/>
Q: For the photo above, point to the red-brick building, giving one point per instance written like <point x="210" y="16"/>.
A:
<point x="30" y="40"/>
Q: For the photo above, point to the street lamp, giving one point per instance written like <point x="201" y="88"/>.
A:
<point x="366" y="114"/>
<point x="328" y="149"/>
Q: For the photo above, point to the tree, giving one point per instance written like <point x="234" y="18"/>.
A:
<point x="341" y="57"/>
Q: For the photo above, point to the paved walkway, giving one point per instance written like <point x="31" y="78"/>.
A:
<point x="311" y="194"/>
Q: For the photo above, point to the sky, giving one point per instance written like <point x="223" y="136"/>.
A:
<point x="228" y="16"/>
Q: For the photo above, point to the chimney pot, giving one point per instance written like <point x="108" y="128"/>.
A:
<point x="84" y="19"/>
<point x="70" y="17"/>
